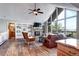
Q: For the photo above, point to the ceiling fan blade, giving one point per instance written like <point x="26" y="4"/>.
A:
<point x="40" y="12"/>
<point x="30" y="12"/>
<point x="30" y="9"/>
<point x="38" y="9"/>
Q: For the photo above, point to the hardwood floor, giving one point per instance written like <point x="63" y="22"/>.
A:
<point x="19" y="48"/>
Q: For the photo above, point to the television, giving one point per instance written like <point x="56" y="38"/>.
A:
<point x="37" y="24"/>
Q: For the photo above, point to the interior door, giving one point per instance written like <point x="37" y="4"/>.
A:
<point x="11" y="28"/>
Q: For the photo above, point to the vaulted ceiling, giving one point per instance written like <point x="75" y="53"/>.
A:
<point x="19" y="11"/>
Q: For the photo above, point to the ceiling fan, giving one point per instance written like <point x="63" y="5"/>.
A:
<point x="35" y="11"/>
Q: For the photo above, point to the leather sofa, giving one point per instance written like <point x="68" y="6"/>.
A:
<point x="50" y="40"/>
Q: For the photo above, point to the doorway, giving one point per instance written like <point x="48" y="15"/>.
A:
<point x="11" y="28"/>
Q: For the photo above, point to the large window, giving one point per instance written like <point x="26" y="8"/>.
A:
<point x="61" y="14"/>
<point x="58" y="22"/>
<point x="65" y="22"/>
<point x="61" y="24"/>
<point x="70" y="13"/>
<point x="71" y="23"/>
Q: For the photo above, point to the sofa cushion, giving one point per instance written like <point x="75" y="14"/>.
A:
<point x="62" y="36"/>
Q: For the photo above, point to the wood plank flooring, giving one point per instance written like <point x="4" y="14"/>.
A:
<point x="19" y="48"/>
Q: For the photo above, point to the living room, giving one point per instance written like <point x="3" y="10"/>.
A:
<point x="38" y="29"/>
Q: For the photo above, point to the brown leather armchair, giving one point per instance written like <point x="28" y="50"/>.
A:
<point x="49" y="42"/>
<point x="28" y="39"/>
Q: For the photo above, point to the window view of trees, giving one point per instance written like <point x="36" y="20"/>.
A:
<point x="65" y="22"/>
<point x="56" y="27"/>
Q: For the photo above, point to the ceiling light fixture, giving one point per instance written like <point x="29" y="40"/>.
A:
<point x="35" y="11"/>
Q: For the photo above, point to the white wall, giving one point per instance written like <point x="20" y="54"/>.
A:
<point x="4" y="25"/>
